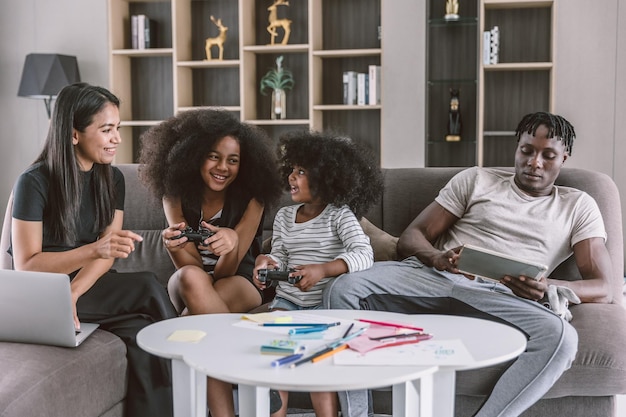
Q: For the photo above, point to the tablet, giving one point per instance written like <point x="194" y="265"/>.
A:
<point x="492" y="265"/>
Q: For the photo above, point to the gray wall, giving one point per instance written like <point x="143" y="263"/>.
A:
<point x="70" y="27"/>
<point x="590" y="77"/>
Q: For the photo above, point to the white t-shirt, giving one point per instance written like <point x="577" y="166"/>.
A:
<point x="495" y="214"/>
<point x="334" y="234"/>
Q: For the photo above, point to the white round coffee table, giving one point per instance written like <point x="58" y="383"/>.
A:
<point x="231" y="353"/>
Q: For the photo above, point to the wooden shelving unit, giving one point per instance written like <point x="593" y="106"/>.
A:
<point x="327" y="38"/>
<point x="494" y="97"/>
<point x="523" y="79"/>
<point x="451" y="64"/>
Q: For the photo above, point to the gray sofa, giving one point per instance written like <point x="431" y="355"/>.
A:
<point x="91" y="379"/>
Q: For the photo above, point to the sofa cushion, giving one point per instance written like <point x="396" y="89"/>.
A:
<point x="149" y="255"/>
<point x="383" y="244"/>
<point x="600" y="365"/>
<point x="38" y="380"/>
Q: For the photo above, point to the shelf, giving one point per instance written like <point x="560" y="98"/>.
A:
<point x="346" y="53"/>
<point x="451" y="65"/>
<point x="139" y="53"/>
<point x="328" y="107"/>
<point x="523" y="80"/>
<point x="214" y="63"/>
<point x="276" y="49"/>
<point x="228" y="108"/>
<point x="283" y="122"/>
<point x="174" y="77"/>
<point x="463" y="20"/>
<point x="516" y="4"/>
<point x="519" y="66"/>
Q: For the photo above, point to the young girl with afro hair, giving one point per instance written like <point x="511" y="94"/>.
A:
<point x="211" y="172"/>
<point x="333" y="182"/>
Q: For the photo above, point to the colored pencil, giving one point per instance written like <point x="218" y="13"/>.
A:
<point x="389" y="324"/>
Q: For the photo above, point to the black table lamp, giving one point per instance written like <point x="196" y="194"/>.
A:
<point x="44" y="75"/>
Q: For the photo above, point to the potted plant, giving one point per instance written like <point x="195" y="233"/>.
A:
<point x="278" y="80"/>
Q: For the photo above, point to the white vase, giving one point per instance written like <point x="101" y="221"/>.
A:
<point x="279" y="104"/>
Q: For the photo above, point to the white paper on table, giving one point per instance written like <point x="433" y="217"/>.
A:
<point x="428" y="352"/>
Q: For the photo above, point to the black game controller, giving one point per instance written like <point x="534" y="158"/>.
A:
<point x="267" y="276"/>
<point x="197" y="236"/>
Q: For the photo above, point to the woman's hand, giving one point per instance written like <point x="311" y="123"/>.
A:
<point x="223" y="241"/>
<point x="116" y="244"/>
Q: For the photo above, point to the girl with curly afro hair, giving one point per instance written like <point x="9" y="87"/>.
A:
<point x="212" y="173"/>
<point x="334" y="181"/>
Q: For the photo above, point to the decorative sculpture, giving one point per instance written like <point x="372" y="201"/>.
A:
<point x="278" y="80"/>
<point x="454" y="117"/>
<point x="216" y="41"/>
<point x="275" y="22"/>
<point x="452" y="10"/>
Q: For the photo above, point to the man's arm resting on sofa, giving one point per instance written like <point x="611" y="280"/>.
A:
<point x="595" y="266"/>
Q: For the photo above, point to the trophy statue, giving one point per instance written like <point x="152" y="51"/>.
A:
<point x="275" y="22"/>
<point x="452" y="10"/>
<point x="216" y="41"/>
<point x="454" y="117"/>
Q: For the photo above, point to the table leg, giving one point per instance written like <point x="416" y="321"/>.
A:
<point x="413" y="398"/>
<point x="188" y="390"/>
<point x="443" y="395"/>
<point x="254" y="401"/>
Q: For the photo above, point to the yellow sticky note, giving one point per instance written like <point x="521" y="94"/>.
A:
<point x="268" y="318"/>
<point x="189" y="336"/>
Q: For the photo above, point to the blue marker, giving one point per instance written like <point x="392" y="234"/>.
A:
<point x="311" y="329"/>
<point x="290" y="358"/>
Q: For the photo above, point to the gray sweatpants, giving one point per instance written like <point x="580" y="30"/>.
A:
<point x="410" y="287"/>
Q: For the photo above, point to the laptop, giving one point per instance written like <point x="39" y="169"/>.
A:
<point x="36" y="307"/>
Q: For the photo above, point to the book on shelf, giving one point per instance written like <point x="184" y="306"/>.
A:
<point x="486" y="47"/>
<point x="133" y="31"/>
<point x="494" y="45"/>
<point x="349" y="87"/>
<point x="362" y="89"/>
<point x="374" y="84"/>
<point x="145" y="32"/>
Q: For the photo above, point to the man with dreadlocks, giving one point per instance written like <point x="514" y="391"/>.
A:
<point x="522" y="213"/>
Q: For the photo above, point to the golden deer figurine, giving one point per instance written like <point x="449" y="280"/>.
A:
<point x="275" y="22"/>
<point x="218" y="40"/>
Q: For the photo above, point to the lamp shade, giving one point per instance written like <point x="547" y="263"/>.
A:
<point x="44" y="75"/>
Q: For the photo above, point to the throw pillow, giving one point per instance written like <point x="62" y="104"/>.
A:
<point x="384" y="244"/>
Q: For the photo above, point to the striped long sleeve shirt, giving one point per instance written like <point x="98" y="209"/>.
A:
<point x="334" y="234"/>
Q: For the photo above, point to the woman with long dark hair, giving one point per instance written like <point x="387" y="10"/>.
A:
<point x="67" y="218"/>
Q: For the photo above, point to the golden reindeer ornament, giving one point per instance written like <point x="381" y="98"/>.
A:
<point x="275" y="22"/>
<point x="216" y="41"/>
<point x="452" y="10"/>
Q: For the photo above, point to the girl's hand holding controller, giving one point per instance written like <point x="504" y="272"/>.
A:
<point x="311" y="275"/>
<point x="222" y="241"/>
<point x="171" y="236"/>
<point x="262" y="262"/>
